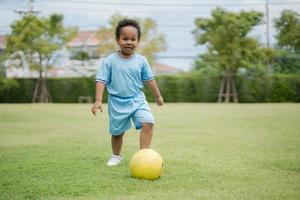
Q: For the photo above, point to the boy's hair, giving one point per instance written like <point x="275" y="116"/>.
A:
<point x="127" y="22"/>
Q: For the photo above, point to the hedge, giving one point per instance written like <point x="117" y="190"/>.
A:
<point x="275" y="88"/>
<point x="187" y="87"/>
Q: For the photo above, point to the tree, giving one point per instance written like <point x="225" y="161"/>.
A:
<point x="2" y="65"/>
<point x="286" y="62"/>
<point x="287" y="58"/>
<point x="152" y="42"/>
<point x="229" y="46"/>
<point x="83" y="56"/>
<point x="288" y="28"/>
<point x="34" y="40"/>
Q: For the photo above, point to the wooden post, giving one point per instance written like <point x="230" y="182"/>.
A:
<point x="220" y="97"/>
<point x="227" y="92"/>
<point x="41" y="93"/>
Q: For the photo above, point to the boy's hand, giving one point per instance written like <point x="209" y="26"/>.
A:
<point x="159" y="101"/>
<point x="96" y="106"/>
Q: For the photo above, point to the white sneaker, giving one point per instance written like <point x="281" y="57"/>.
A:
<point x="115" y="160"/>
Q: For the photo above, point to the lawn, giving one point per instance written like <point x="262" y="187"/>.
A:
<point x="210" y="151"/>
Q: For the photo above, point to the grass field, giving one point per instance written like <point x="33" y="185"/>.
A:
<point x="211" y="151"/>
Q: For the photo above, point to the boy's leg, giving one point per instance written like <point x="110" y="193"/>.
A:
<point x="116" y="144"/>
<point x="146" y="135"/>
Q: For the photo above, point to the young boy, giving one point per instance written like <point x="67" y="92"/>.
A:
<point x="124" y="73"/>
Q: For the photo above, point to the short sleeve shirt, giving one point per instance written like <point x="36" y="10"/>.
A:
<point x="124" y="77"/>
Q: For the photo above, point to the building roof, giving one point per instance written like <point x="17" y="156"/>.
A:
<point x="85" y="38"/>
<point x="159" y="68"/>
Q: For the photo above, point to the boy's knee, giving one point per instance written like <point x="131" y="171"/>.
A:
<point x="117" y="136"/>
<point x="147" y="126"/>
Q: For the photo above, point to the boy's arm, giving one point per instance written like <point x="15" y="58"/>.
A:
<point x="98" y="98"/>
<point x="155" y="91"/>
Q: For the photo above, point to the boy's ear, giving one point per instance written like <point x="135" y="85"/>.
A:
<point x="118" y="40"/>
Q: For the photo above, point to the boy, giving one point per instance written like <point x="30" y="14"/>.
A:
<point x="124" y="73"/>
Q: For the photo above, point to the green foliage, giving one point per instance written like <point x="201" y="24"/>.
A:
<point x="227" y="40"/>
<point x="286" y="62"/>
<point x="288" y="28"/>
<point x="68" y="90"/>
<point x="169" y="86"/>
<point x="2" y="66"/>
<point x="82" y="55"/>
<point x="7" y="85"/>
<point x="285" y="88"/>
<point x="15" y="91"/>
<point x="189" y="87"/>
<point x="275" y="88"/>
<point x="152" y="41"/>
<point x="254" y="88"/>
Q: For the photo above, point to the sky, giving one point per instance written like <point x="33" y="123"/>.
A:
<point x="174" y="18"/>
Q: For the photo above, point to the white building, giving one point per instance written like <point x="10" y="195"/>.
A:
<point x="65" y="66"/>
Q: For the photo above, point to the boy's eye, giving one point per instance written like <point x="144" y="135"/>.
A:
<point x="126" y="39"/>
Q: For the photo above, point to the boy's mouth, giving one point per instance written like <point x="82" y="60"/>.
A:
<point x="129" y="48"/>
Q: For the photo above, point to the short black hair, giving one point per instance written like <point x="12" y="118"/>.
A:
<point x="128" y="22"/>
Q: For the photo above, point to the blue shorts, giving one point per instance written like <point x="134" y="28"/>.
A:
<point x="124" y="110"/>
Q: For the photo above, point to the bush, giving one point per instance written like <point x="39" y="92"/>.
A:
<point x="187" y="87"/>
<point x="7" y="86"/>
<point x="285" y="88"/>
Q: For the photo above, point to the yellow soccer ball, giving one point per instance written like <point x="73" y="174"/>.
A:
<point x="146" y="164"/>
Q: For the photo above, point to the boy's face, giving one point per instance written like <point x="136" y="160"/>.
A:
<point x="128" y="40"/>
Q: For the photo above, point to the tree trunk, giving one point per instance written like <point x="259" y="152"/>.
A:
<point x="227" y="92"/>
<point x="41" y="93"/>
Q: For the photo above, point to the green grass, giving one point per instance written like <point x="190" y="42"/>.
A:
<point x="211" y="151"/>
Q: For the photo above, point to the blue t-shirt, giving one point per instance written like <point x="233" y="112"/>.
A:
<point x="124" y="77"/>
